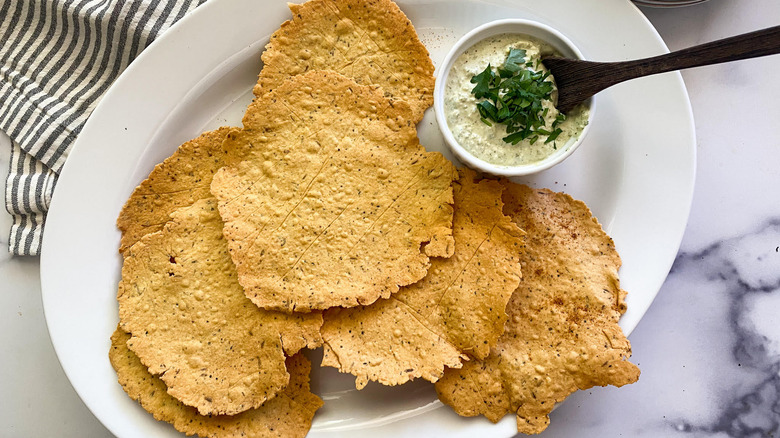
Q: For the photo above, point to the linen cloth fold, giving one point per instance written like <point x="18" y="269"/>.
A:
<point x="57" y="59"/>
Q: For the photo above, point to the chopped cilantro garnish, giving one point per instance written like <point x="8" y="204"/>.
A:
<point x="558" y="119"/>
<point x="514" y="138"/>
<point x="487" y="110"/>
<point x="514" y="60"/>
<point x="553" y="135"/>
<point x="513" y="97"/>
<point x="484" y="81"/>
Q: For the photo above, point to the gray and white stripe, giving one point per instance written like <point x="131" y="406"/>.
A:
<point x="27" y="195"/>
<point x="57" y="58"/>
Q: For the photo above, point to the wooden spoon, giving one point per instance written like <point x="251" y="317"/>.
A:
<point x="578" y="80"/>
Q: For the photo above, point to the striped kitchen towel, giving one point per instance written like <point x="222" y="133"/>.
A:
<point x="57" y="58"/>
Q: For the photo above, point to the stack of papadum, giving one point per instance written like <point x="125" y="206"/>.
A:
<point x="324" y="222"/>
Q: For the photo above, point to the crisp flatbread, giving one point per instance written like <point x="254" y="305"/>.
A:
<point x="288" y="415"/>
<point x="370" y="41"/>
<point x="373" y="43"/>
<point x="563" y="333"/>
<point x="339" y="204"/>
<point x="192" y="324"/>
<point x="457" y="309"/>
<point x="177" y="182"/>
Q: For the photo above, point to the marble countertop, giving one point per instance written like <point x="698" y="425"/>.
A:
<point x="709" y="347"/>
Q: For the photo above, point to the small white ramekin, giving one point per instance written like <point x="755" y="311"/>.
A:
<point x="511" y="26"/>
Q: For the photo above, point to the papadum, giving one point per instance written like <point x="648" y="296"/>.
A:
<point x="369" y="41"/>
<point x="339" y="204"/>
<point x="562" y="334"/>
<point x="192" y="325"/>
<point x="455" y="311"/>
<point x="179" y="181"/>
<point x="289" y="414"/>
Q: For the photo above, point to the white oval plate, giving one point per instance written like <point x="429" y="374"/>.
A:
<point x="635" y="170"/>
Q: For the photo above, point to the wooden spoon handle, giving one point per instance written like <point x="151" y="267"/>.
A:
<point x="750" y="45"/>
<point x="579" y="80"/>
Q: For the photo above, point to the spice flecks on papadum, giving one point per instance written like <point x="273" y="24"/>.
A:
<point x="370" y="41"/>
<point x="457" y="308"/>
<point x="339" y="205"/>
<point x="192" y="324"/>
<point x="289" y="414"/>
<point x="179" y="181"/>
<point x="563" y="333"/>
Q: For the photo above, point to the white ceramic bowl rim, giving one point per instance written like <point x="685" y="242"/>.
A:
<point x="497" y="27"/>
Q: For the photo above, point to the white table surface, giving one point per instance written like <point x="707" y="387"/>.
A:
<point x="709" y="347"/>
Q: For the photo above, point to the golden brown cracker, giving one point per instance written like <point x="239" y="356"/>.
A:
<point x="192" y="324"/>
<point x="384" y="342"/>
<point x="563" y="333"/>
<point x="468" y="292"/>
<point x="457" y="308"/>
<point x="340" y="204"/>
<point x="289" y="414"/>
<point x="370" y="41"/>
<point x="177" y="182"/>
